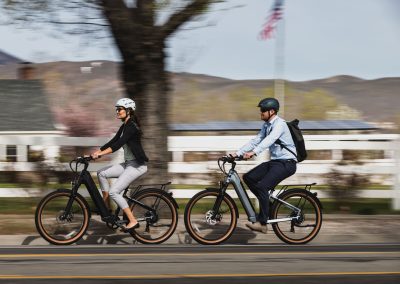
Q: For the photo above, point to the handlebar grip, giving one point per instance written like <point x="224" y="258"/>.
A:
<point x="84" y="159"/>
<point x="231" y="159"/>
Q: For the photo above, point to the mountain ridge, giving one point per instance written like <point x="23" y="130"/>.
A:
<point x="201" y="97"/>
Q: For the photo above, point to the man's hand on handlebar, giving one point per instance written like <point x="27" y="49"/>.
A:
<point x="248" y="155"/>
<point x="231" y="158"/>
<point x="245" y="156"/>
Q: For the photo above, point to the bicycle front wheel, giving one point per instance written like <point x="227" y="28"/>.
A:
<point x="307" y="226"/>
<point x="56" y="225"/>
<point x="158" y="225"/>
<point x="206" y="226"/>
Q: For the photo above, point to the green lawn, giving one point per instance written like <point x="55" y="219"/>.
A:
<point x="175" y="186"/>
<point x="27" y="205"/>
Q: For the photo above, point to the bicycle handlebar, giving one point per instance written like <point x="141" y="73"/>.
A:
<point x="81" y="160"/>
<point x="228" y="159"/>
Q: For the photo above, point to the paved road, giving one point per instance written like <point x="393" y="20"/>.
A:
<point x="336" y="229"/>
<point x="368" y="263"/>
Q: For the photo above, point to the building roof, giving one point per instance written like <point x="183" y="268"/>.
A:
<point x="24" y="107"/>
<point x="6" y="58"/>
<point x="309" y="125"/>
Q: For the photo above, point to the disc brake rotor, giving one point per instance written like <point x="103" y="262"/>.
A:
<point x="212" y="220"/>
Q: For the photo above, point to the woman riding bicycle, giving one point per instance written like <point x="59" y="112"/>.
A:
<point x="129" y="138"/>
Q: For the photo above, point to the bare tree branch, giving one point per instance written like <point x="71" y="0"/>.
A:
<point x="78" y="23"/>
<point x="146" y="12"/>
<point x="178" y="19"/>
<point x="123" y="25"/>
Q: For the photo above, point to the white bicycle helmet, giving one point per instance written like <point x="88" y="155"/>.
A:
<point x="126" y="103"/>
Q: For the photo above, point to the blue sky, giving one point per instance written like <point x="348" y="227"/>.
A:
<point x="321" y="38"/>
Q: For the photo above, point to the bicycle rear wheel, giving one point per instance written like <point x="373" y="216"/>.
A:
<point x="199" y="220"/>
<point x="305" y="228"/>
<point x="155" y="226"/>
<point x="57" y="226"/>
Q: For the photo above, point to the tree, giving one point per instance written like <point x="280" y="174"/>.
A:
<point x="141" y="42"/>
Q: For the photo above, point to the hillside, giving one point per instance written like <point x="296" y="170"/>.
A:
<point x="92" y="91"/>
<point x="372" y="100"/>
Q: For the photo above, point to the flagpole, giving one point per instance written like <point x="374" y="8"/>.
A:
<point x="271" y="26"/>
<point x="279" y="82"/>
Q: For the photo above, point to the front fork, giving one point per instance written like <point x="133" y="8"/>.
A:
<point x="220" y="197"/>
<point x="72" y="196"/>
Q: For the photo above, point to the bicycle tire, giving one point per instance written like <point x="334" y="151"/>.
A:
<point x="59" y="231"/>
<point x="154" y="229"/>
<point x="303" y="230"/>
<point x="201" y="227"/>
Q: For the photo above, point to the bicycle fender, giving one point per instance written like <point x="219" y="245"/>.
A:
<point x="172" y="199"/>
<point x="313" y="195"/>
<point x="212" y="189"/>
<point x="166" y="194"/>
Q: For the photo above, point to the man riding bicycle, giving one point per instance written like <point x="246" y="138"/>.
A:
<point x="267" y="175"/>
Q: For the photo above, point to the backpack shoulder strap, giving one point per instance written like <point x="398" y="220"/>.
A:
<point x="279" y="142"/>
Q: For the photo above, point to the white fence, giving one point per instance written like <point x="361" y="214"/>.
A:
<point x="384" y="171"/>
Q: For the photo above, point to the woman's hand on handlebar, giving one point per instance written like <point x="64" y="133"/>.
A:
<point x="99" y="153"/>
<point x="96" y="155"/>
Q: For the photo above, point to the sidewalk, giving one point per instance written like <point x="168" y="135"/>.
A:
<point x="336" y="229"/>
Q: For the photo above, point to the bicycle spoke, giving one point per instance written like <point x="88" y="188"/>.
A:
<point x="57" y="226"/>
<point x="157" y="225"/>
<point x="206" y="226"/>
<point x="307" y="223"/>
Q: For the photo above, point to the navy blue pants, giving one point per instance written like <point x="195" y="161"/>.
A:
<point x="264" y="178"/>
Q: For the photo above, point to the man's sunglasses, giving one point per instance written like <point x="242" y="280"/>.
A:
<point x="118" y="109"/>
<point x="263" y="109"/>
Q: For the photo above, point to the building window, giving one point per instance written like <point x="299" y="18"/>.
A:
<point x="11" y="153"/>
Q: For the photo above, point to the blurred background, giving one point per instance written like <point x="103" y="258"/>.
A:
<point x="197" y="70"/>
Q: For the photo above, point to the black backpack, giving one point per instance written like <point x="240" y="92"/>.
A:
<point x="298" y="140"/>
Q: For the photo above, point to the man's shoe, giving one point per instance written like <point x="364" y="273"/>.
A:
<point x="257" y="227"/>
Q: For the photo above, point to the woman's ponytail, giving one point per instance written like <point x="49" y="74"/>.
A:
<point x="136" y="120"/>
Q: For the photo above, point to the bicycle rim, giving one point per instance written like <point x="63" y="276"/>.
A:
<point x="155" y="227"/>
<point x="297" y="231"/>
<point x="57" y="227"/>
<point x="200" y="223"/>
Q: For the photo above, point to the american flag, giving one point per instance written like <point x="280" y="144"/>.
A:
<point x="269" y="27"/>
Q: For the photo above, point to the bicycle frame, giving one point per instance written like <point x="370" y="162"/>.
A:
<point x="232" y="177"/>
<point x="86" y="179"/>
<point x="137" y="189"/>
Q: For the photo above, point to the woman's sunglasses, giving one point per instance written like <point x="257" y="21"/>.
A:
<point x="118" y="109"/>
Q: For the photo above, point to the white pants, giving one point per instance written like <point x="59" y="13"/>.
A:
<point x="125" y="173"/>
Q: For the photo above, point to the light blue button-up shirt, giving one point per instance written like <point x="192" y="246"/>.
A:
<point x="266" y="138"/>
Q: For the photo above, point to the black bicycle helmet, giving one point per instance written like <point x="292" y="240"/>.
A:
<point x="268" y="104"/>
